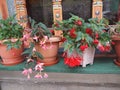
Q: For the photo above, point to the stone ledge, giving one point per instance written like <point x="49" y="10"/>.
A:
<point x="91" y="80"/>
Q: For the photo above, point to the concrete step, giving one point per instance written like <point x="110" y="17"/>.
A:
<point x="14" y="80"/>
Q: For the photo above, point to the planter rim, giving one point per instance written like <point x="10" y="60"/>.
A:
<point x="54" y="39"/>
<point x="12" y="40"/>
<point x="115" y="37"/>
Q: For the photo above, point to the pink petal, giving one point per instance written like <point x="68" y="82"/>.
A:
<point x="38" y="76"/>
<point x="45" y="75"/>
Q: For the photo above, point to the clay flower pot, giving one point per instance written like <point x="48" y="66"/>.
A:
<point x="12" y="56"/>
<point x="116" y="40"/>
<point x="50" y="52"/>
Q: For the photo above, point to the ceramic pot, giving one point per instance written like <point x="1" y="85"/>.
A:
<point x="50" y="52"/>
<point x="12" y="56"/>
<point x="116" y="40"/>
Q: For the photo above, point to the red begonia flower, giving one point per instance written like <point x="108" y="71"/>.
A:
<point x="83" y="47"/>
<point x="72" y="61"/>
<point x="63" y="39"/>
<point x="88" y="31"/>
<point x="78" y="22"/>
<point x="96" y="41"/>
<point x="96" y="35"/>
<point x="72" y="33"/>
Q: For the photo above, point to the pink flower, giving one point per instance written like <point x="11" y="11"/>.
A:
<point x="25" y="72"/>
<point x="35" y="38"/>
<point x="28" y="76"/>
<point x="101" y="47"/>
<point x="26" y="37"/>
<point x="45" y="75"/>
<point x="43" y="41"/>
<point x="38" y="75"/>
<point x="34" y="49"/>
<point x="44" y="46"/>
<point x="30" y="60"/>
<point x="30" y="70"/>
<point x="39" y="67"/>
<point x="26" y="43"/>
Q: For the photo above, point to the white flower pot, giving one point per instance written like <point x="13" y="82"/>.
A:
<point x="88" y="56"/>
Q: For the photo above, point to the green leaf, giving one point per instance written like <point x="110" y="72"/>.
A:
<point x="79" y="36"/>
<point x="29" y="51"/>
<point x="39" y="55"/>
<point x="9" y="47"/>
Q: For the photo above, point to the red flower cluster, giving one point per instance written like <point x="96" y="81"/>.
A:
<point x="52" y="32"/>
<point x="104" y="48"/>
<point x="63" y="39"/>
<point x="72" y="33"/>
<point x="96" y="42"/>
<point x="78" y="22"/>
<point x="83" y="47"/>
<point x="89" y="31"/>
<point x="73" y="61"/>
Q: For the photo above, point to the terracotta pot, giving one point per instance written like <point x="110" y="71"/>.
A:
<point x="51" y="52"/>
<point x="12" y="56"/>
<point x="116" y="40"/>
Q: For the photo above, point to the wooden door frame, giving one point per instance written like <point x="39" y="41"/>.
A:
<point x="3" y="9"/>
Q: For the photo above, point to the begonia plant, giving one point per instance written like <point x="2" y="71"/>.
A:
<point x="78" y="35"/>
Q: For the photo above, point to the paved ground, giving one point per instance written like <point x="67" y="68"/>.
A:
<point x="13" y="80"/>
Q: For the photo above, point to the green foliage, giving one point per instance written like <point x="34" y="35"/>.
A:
<point x="76" y="33"/>
<point x="10" y="29"/>
<point x="39" y="29"/>
<point x="37" y="33"/>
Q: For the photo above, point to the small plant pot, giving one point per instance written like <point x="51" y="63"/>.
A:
<point x="116" y="40"/>
<point x="12" y="56"/>
<point x="49" y="53"/>
<point x="88" y="56"/>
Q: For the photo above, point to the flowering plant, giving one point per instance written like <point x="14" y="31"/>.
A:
<point x="78" y="35"/>
<point x="11" y="32"/>
<point x="37" y="33"/>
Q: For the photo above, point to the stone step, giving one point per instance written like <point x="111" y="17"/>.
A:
<point x="14" y="80"/>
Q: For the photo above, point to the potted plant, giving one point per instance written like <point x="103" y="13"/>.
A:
<point x="11" y="46"/>
<point x="115" y="36"/>
<point x="42" y="48"/>
<point x="43" y="45"/>
<point x="81" y="38"/>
